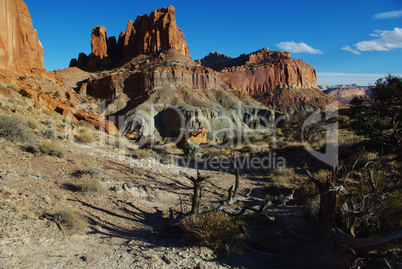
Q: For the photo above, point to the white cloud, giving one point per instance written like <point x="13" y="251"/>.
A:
<point x="297" y="47"/>
<point x="388" y="15"/>
<point x="387" y="40"/>
<point x="352" y="50"/>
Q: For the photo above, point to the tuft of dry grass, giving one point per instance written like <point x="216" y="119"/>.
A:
<point x="212" y="228"/>
<point x="49" y="133"/>
<point x="51" y="148"/>
<point x="33" y="123"/>
<point x="215" y="152"/>
<point x="142" y="153"/>
<point x="13" y="129"/>
<point x="89" y="183"/>
<point x="85" y="136"/>
<point x="72" y="222"/>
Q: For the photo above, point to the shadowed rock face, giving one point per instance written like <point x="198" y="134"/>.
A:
<point x="147" y="35"/>
<point x="20" y="49"/>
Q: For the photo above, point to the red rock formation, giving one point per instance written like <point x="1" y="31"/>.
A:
<point x="274" y="79"/>
<point x="99" y="55"/>
<point x="147" y="35"/>
<point x="20" y="49"/>
<point x="345" y="94"/>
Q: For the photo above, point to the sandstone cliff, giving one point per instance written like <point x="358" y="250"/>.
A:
<point x="167" y="91"/>
<point x="20" y="49"/>
<point x="147" y="35"/>
<point x="273" y="78"/>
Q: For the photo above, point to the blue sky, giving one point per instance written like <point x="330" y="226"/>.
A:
<point x="346" y="41"/>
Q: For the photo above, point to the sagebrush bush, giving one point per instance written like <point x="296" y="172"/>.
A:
<point x="142" y="153"/>
<point x="213" y="228"/>
<point x="72" y="222"/>
<point x="92" y="171"/>
<point x="13" y="129"/>
<point x="85" y="136"/>
<point x="89" y="183"/>
<point x="49" y="133"/>
<point x="191" y="149"/>
<point x="86" y="124"/>
<point x="47" y="122"/>
<point x="51" y="148"/>
<point x="33" y="123"/>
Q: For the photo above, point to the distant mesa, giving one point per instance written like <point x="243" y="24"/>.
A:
<point x="271" y="77"/>
<point x="20" y="48"/>
<point x="345" y="93"/>
<point x="147" y="35"/>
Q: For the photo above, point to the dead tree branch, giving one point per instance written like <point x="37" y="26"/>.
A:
<point x="197" y="185"/>
<point x="355" y="206"/>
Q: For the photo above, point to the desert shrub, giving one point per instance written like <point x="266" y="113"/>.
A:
<point x="86" y="124"/>
<point x="72" y="222"/>
<point x="92" y="171"/>
<point x="57" y="117"/>
<point x="142" y="153"/>
<point x="47" y="122"/>
<point x="33" y="123"/>
<point x="89" y="183"/>
<point x="13" y="129"/>
<point x="212" y="152"/>
<point x="51" y="148"/>
<point x="213" y="228"/>
<point x="49" y="133"/>
<point x="84" y="136"/>
<point x="191" y="149"/>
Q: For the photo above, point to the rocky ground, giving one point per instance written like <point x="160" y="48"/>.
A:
<point x="125" y="224"/>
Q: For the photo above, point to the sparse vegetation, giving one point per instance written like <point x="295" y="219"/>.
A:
<point x="191" y="149"/>
<point x="49" y="133"/>
<point x="33" y="123"/>
<point x="89" y="183"/>
<point x="142" y="153"/>
<point x="51" y="148"/>
<point x="85" y="136"/>
<point x="13" y="129"/>
<point x="71" y="222"/>
<point x="213" y="228"/>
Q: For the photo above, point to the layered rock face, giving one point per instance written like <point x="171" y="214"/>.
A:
<point x="147" y="35"/>
<point x="345" y="93"/>
<point x="20" y="49"/>
<point x="273" y="78"/>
